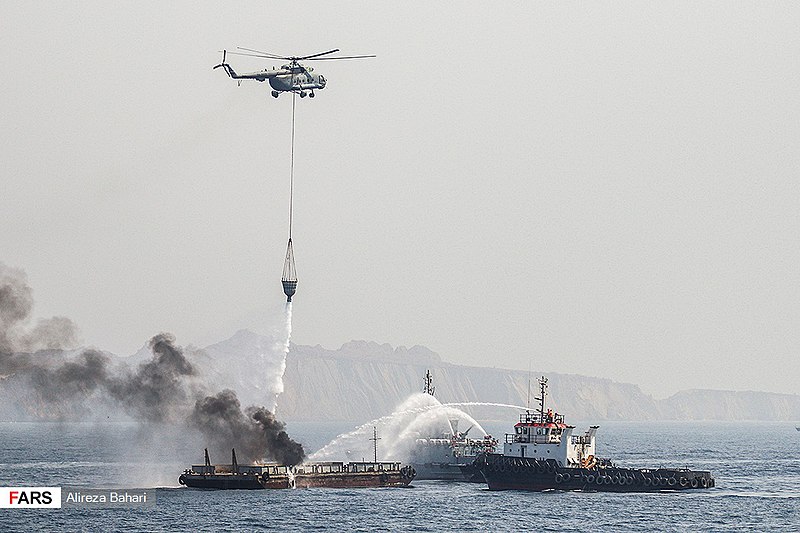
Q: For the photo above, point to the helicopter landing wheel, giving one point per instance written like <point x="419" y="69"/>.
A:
<point x="302" y="94"/>
<point x="311" y="94"/>
<point x="274" y="94"/>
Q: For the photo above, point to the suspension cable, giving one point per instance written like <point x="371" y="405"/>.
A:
<point x="291" y="170"/>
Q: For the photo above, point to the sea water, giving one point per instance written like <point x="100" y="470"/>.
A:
<point x="756" y="466"/>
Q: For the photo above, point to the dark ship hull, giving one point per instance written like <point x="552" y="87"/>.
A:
<point x="472" y="474"/>
<point x="226" y="481"/>
<point x="519" y="473"/>
<point x="235" y="476"/>
<point x="447" y="471"/>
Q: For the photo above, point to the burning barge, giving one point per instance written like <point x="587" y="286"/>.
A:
<point x="542" y="454"/>
<point x="308" y="475"/>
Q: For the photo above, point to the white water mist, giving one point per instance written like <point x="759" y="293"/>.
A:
<point x="419" y="416"/>
<point x="282" y="343"/>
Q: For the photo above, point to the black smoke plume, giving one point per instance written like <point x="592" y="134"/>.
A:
<point x="280" y="447"/>
<point x="255" y="433"/>
<point x="72" y="379"/>
<point x="158" y="387"/>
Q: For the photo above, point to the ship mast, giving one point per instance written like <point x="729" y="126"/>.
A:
<point x="375" y="438"/>
<point x="543" y="394"/>
<point x="429" y="388"/>
<point x="528" y="402"/>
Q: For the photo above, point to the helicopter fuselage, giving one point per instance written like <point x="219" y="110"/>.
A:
<point x="297" y="82"/>
<point x="288" y="78"/>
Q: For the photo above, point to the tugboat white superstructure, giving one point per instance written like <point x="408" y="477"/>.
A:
<point x="543" y="435"/>
<point x="543" y="454"/>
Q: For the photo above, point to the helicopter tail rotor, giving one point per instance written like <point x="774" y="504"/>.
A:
<point x="224" y="53"/>
<point x="223" y="64"/>
<point x="228" y="69"/>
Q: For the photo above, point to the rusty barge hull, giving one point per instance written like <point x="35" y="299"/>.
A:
<point x="348" y="481"/>
<point x="300" y="481"/>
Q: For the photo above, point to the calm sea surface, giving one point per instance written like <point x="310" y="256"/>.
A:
<point x="756" y="466"/>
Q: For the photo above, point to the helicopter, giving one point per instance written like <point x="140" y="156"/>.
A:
<point x="292" y="77"/>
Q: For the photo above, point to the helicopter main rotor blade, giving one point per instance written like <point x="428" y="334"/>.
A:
<point x="262" y="54"/>
<point x="342" y="57"/>
<point x="255" y="55"/>
<point x="316" y="55"/>
<point x="251" y="52"/>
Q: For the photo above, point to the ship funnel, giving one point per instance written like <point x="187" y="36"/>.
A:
<point x="289" y="278"/>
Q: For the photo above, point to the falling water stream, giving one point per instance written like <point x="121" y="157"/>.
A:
<point x="281" y="347"/>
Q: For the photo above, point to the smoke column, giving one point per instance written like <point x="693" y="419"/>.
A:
<point x="16" y="303"/>
<point x="259" y="434"/>
<point x="163" y="393"/>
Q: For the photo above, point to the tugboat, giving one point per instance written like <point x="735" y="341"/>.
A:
<point x="450" y="456"/>
<point x="307" y="475"/>
<point x="543" y="454"/>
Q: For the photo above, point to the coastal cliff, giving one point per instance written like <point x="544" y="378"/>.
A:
<point x="364" y="380"/>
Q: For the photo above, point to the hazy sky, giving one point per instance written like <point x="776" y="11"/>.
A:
<point x="597" y="188"/>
